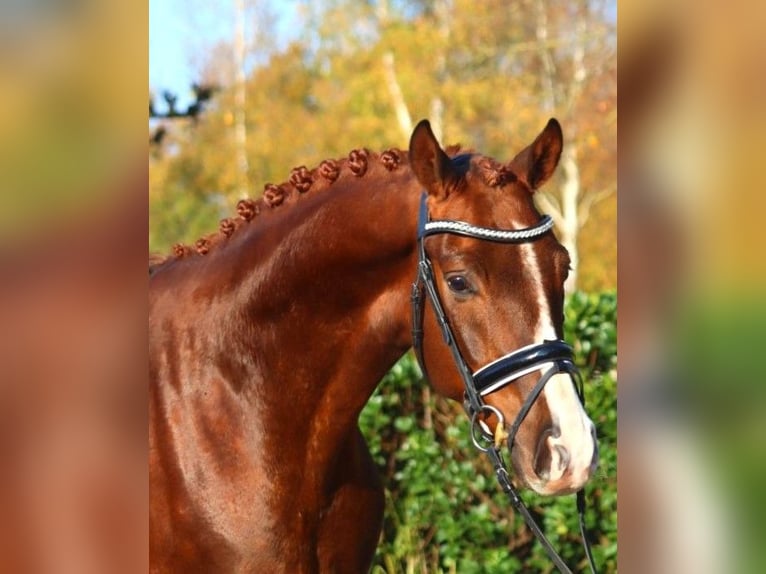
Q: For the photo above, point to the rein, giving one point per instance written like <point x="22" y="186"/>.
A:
<point x="499" y="373"/>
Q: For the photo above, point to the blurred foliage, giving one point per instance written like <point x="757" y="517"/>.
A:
<point x="444" y="510"/>
<point x="719" y="390"/>
<point x="474" y="68"/>
<point x="68" y="127"/>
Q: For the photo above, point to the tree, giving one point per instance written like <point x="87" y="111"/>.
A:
<point x="576" y="72"/>
<point x="360" y="74"/>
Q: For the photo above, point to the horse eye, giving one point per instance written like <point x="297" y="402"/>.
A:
<point x="458" y="284"/>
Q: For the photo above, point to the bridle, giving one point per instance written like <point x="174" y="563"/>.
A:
<point x="553" y="356"/>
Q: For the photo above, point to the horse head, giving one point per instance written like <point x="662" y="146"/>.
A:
<point x="494" y="274"/>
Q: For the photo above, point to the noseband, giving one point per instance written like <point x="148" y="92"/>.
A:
<point x="552" y="356"/>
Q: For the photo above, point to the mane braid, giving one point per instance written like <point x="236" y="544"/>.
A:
<point x="301" y="180"/>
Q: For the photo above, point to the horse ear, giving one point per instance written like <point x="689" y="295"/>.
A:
<point x="537" y="162"/>
<point x="431" y="166"/>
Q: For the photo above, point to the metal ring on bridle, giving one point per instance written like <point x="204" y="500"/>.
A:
<point x="485" y="440"/>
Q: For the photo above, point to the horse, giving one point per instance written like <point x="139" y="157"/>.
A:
<point x="268" y="337"/>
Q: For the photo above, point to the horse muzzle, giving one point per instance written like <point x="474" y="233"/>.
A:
<point x="566" y="453"/>
<point x="561" y="464"/>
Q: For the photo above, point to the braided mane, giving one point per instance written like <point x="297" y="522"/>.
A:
<point x="301" y="181"/>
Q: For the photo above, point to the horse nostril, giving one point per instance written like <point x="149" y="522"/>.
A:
<point x="543" y="456"/>
<point x="564" y="456"/>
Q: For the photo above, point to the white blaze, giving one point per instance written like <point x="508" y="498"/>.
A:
<point x="577" y="434"/>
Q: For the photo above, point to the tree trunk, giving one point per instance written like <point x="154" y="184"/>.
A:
<point x="397" y="98"/>
<point x="569" y="223"/>
<point x="436" y="112"/>
<point x="240" y="127"/>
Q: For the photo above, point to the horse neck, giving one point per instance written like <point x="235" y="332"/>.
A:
<point x="326" y="314"/>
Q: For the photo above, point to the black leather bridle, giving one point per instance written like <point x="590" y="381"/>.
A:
<point x="554" y="356"/>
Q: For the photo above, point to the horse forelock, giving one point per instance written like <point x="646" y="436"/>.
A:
<point x="494" y="173"/>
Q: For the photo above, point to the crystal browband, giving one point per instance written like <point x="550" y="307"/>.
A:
<point x="501" y="235"/>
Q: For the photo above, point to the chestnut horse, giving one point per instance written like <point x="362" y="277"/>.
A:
<point x="266" y="343"/>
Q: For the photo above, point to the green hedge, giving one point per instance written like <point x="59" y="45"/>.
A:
<point x="444" y="509"/>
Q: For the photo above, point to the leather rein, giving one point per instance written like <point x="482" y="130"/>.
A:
<point x="557" y="356"/>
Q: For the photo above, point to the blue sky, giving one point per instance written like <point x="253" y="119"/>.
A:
<point x="179" y="28"/>
<point x="169" y="67"/>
